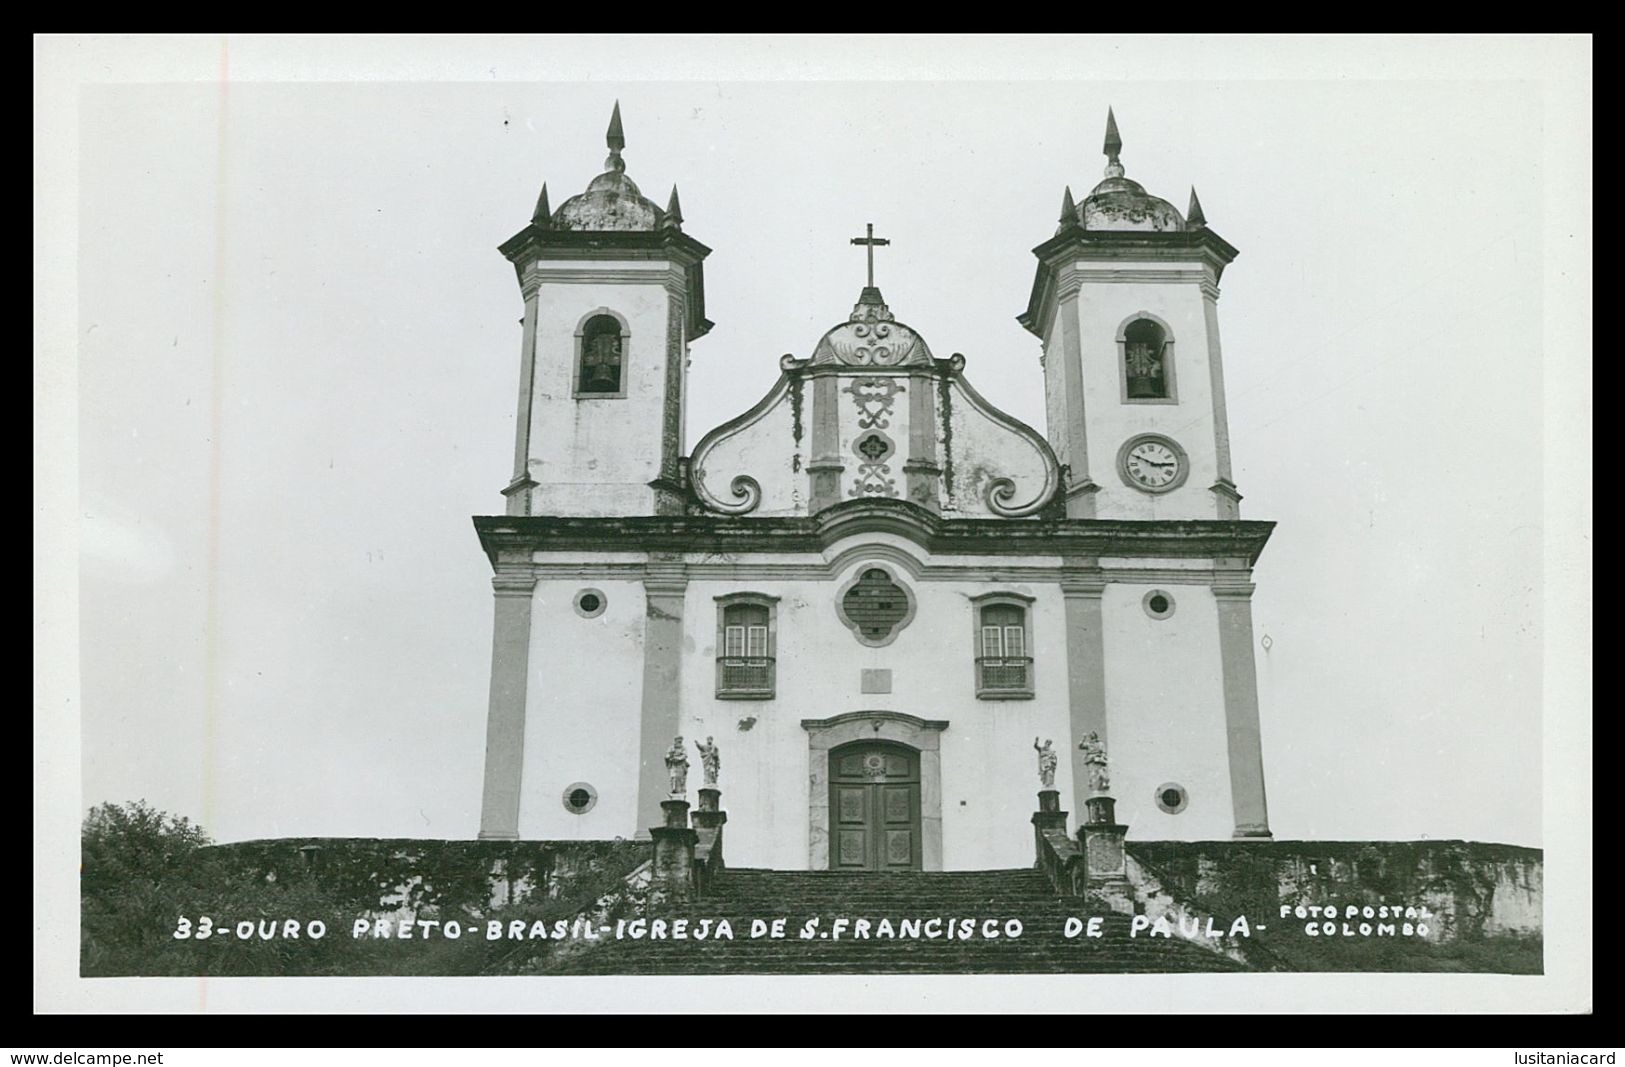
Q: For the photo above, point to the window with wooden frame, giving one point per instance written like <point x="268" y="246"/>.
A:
<point x="746" y="641"/>
<point x="1004" y="660"/>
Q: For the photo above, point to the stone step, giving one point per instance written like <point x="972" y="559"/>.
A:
<point x="620" y="963"/>
<point x="1023" y="894"/>
<point x="1192" y="960"/>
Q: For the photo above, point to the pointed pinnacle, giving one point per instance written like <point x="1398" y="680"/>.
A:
<point x="543" y="213"/>
<point x="1194" y="216"/>
<point x="615" y="138"/>
<point x="1069" y="209"/>
<point x="674" y="210"/>
<point x="1114" y="143"/>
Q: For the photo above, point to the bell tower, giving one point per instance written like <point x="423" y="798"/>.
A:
<point x="1126" y="303"/>
<point x="614" y="293"/>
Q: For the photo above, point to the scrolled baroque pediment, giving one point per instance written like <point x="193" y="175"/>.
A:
<point x="873" y="415"/>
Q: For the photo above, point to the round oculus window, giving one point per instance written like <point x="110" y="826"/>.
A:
<point x="1172" y="798"/>
<point x="1159" y="604"/>
<point x="590" y="603"/>
<point x="579" y="798"/>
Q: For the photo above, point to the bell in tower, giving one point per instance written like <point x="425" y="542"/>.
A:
<point x="1142" y="354"/>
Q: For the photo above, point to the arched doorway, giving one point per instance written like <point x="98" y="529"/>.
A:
<point x="874" y="807"/>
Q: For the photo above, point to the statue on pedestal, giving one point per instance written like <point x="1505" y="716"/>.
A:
<point x="1046" y="762"/>
<point x="677" y="767"/>
<point x="1094" y="757"/>
<point x="710" y="760"/>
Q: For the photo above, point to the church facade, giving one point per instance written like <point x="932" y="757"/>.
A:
<point x="874" y="590"/>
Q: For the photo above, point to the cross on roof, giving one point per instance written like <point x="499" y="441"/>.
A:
<point x="871" y="241"/>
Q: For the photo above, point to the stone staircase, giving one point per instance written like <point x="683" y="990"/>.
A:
<point x="740" y="895"/>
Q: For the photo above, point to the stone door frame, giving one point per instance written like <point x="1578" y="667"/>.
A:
<point x="922" y="735"/>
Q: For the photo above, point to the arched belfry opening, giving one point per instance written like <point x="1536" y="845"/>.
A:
<point x="1145" y="360"/>
<point x="602" y="352"/>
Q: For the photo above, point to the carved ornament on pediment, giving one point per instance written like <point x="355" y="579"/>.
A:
<point x="872" y="342"/>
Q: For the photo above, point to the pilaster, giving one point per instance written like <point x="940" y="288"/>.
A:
<point x="921" y="469"/>
<point x="668" y="498"/>
<point x="519" y="486"/>
<point x="1080" y="488"/>
<point x="664" y="585"/>
<point x="1082" y="587"/>
<point x="1233" y="595"/>
<point x="513" y="586"/>
<point x="1215" y="368"/>
<point x="825" y="467"/>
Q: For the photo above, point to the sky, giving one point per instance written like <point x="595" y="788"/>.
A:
<point x="296" y="355"/>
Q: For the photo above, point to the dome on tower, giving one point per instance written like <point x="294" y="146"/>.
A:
<point x="1121" y="203"/>
<point x="612" y="200"/>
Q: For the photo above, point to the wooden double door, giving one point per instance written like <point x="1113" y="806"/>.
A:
<point x="874" y="803"/>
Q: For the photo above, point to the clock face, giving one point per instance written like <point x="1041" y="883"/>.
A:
<point x="1153" y="464"/>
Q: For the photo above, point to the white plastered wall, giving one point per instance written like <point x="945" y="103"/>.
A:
<point x="1165" y="712"/>
<point x="988" y="777"/>
<point x="596" y="455"/>
<point x="1101" y="309"/>
<point x="583" y="707"/>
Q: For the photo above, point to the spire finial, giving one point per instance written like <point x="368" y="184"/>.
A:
<point x="1069" y="209"/>
<point x="543" y="215"/>
<point x="616" y="139"/>
<point x="1194" y="217"/>
<point x="1113" y="145"/>
<point x="674" y="211"/>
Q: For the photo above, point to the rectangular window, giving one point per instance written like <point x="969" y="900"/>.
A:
<point x="1003" y="667"/>
<point x="745" y="664"/>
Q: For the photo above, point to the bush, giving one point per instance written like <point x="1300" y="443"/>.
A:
<point x="142" y="870"/>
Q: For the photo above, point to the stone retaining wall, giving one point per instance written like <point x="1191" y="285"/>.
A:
<point x="1476" y="890"/>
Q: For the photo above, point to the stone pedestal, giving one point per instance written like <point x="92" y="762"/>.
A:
<point x="1102" y="845"/>
<point x="1101" y="839"/>
<point x="674" y="811"/>
<point x="710" y="813"/>
<point x="1102" y="810"/>
<point x="1049" y="815"/>
<point x="1057" y="856"/>
<point x="672" y="873"/>
<point x="707" y="822"/>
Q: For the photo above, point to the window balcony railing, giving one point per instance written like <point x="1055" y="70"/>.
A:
<point x="1005" y="676"/>
<point x="745" y="676"/>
